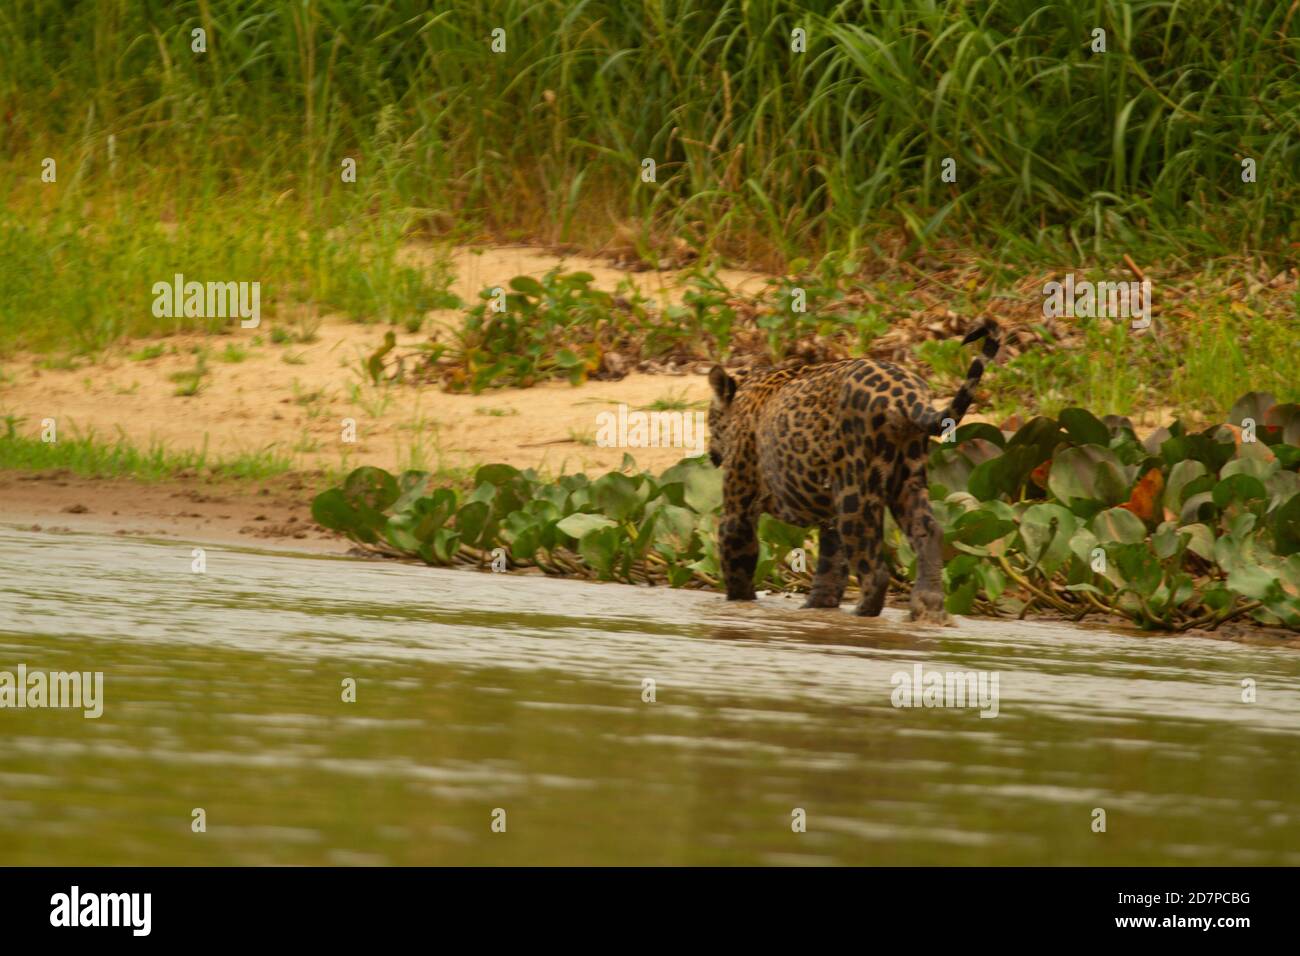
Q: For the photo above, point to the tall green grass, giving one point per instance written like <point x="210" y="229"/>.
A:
<point x="762" y="154"/>
<point x="81" y="277"/>
<point x="753" y="142"/>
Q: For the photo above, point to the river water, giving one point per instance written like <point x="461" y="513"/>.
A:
<point x="514" y="719"/>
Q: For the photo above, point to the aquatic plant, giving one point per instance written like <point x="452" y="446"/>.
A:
<point x="1073" y="515"/>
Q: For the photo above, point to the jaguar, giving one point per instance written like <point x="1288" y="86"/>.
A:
<point x="832" y="445"/>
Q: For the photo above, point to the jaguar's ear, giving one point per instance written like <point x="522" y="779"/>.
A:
<point x="723" y="385"/>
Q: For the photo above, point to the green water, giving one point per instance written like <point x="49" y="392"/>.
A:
<point x="478" y="692"/>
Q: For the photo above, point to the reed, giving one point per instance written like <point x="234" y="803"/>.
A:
<point x="762" y="153"/>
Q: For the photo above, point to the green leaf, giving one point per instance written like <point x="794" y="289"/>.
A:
<point x="1168" y="542"/>
<point x="495" y="474"/>
<point x="331" y="509"/>
<point x="616" y="495"/>
<point x="1202" y="540"/>
<point x="1198" y="507"/>
<point x="1137" y="566"/>
<point x="1118" y="525"/>
<point x="1240" y="489"/>
<point x="973" y="430"/>
<point x="1285" y="525"/>
<point x="704" y="489"/>
<point x="1204" y="448"/>
<point x="528" y="286"/>
<point x="523" y="532"/>
<point x="1082" y="545"/>
<point x="399" y="533"/>
<point x="412" y="485"/>
<point x="1084" y="427"/>
<point x="675" y="526"/>
<point x="372" y="487"/>
<point x="948" y="468"/>
<point x="992" y="581"/>
<point x="1041" y="433"/>
<point x="976" y="529"/>
<point x="784" y="536"/>
<point x="961" y="598"/>
<point x="1282" y="485"/>
<point x="679" y="576"/>
<point x="1252" y="405"/>
<point x="357" y="507"/>
<point x="579" y="525"/>
<point x="1004" y="475"/>
<point x="471" y="522"/>
<point x="1255" y="583"/>
<point x="1086" y="478"/>
<point x="1251" y="465"/>
<point x="599" y="548"/>
<point x="1179" y="475"/>
<point x="444" y="547"/>
<point x="578" y="499"/>
<point x="644" y="536"/>
<point x="1046" y="530"/>
<point x="431" y="513"/>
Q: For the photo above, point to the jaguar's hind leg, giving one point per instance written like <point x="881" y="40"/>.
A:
<point x="861" y="518"/>
<point x="832" y="570"/>
<point x="911" y="508"/>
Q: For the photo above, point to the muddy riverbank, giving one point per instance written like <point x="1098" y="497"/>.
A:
<point x="275" y="514"/>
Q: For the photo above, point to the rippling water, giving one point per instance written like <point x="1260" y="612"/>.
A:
<point x="481" y="692"/>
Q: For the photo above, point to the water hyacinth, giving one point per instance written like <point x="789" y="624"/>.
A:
<point x="1074" y="515"/>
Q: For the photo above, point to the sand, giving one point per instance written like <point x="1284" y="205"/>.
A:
<point x="293" y="400"/>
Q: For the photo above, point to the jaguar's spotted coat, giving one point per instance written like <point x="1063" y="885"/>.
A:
<point x="831" y="445"/>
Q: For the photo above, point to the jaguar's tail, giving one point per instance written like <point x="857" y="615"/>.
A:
<point x="932" y="422"/>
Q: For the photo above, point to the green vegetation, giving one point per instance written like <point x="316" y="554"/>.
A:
<point x="233" y="354"/>
<point x="559" y="327"/>
<point x="673" y="402"/>
<point x="87" y="455"/>
<point x="760" y="151"/>
<point x="1212" y="344"/>
<point x="190" y="381"/>
<point x="81" y="280"/>
<point x="147" y="353"/>
<point x="1073" y="515"/>
<point x="562" y="327"/>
